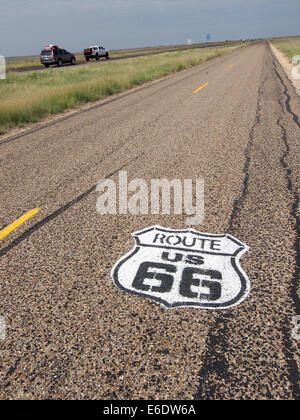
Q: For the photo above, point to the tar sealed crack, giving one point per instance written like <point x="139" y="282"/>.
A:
<point x="215" y="368"/>
<point x="55" y="214"/>
<point x="286" y="106"/>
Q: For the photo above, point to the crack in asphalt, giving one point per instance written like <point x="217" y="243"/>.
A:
<point x="293" y="367"/>
<point x="214" y="361"/>
<point x="57" y="212"/>
<point x="286" y="331"/>
<point x="115" y="148"/>
<point x="62" y="209"/>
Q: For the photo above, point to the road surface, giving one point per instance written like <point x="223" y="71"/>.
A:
<point x="70" y="332"/>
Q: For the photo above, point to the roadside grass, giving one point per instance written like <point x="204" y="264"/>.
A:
<point x="33" y="62"/>
<point x="27" y="97"/>
<point x="288" y="46"/>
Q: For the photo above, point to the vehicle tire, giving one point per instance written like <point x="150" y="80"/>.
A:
<point x="107" y="56"/>
<point x="73" y="61"/>
<point x="87" y="58"/>
<point x="59" y="63"/>
<point x="46" y="65"/>
<point x="97" y="57"/>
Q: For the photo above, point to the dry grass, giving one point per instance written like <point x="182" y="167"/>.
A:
<point x="33" y="62"/>
<point x="289" y="46"/>
<point x="27" y="97"/>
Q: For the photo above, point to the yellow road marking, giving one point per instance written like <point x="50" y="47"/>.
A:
<point x="201" y="87"/>
<point x="8" y="229"/>
<point x="231" y="65"/>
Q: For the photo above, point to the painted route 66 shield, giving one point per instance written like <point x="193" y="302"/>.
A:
<point x="184" y="268"/>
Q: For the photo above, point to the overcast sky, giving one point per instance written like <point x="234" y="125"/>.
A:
<point x="26" y="26"/>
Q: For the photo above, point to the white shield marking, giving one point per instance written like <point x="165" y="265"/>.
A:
<point x="179" y="268"/>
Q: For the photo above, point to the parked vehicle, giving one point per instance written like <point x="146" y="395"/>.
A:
<point x="95" y="52"/>
<point x="51" y="55"/>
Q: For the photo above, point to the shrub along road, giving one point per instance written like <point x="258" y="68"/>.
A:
<point x="71" y="333"/>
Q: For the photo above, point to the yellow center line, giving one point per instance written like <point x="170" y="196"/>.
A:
<point x="201" y="87"/>
<point x="8" y="229"/>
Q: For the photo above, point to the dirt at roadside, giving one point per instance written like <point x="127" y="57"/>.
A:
<point x="287" y="66"/>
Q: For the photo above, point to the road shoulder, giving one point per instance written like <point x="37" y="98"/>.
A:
<point x="287" y="66"/>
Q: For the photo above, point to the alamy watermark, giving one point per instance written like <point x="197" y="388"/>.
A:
<point x="296" y="68"/>
<point x="2" y="328"/>
<point x="2" y="67"/>
<point x="296" y="329"/>
<point x="137" y="197"/>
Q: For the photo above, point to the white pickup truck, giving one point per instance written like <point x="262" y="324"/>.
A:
<point x="95" y="52"/>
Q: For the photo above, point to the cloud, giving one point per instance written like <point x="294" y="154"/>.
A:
<point x="27" y="24"/>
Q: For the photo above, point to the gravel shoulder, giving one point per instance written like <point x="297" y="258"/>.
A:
<point x="287" y="66"/>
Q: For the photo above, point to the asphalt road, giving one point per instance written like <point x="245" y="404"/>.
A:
<point x="71" y="333"/>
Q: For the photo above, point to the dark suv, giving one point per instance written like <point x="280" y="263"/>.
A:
<point x="51" y="56"/>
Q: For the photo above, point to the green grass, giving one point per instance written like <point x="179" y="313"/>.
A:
<point x="33" y="62"/>
<point x="27" y="97"/>
<point x="289" y="46"/>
